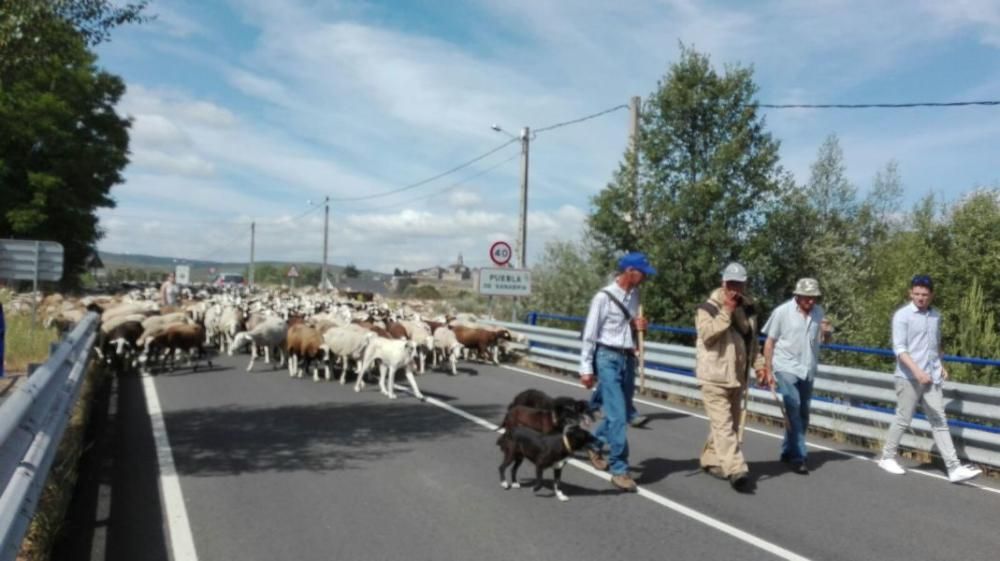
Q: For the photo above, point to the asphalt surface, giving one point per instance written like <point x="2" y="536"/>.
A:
<point x="272" y="467"/>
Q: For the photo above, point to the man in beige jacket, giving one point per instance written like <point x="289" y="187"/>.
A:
<point x="726" y="349"/>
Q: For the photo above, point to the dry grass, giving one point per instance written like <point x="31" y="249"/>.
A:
<point x="47" y="523"/>
<point x="26" y="343"/>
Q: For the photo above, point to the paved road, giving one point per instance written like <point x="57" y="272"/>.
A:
<point x="270" y="467"/>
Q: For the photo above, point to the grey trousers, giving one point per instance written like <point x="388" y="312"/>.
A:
<point x="931" y="399"/>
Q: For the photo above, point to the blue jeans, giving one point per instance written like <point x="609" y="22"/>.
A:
<point x="796" y="393"/>
<point x="616" y="384"/>
<point x="595" y="403"/>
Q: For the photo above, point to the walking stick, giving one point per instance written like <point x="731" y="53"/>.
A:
<point x="642" y="358"/>
<point x="781" y="404"/>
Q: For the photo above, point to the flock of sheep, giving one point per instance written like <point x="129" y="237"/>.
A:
<point x="310" y="332"/>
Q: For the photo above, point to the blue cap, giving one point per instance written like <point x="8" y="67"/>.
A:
<point x="638" y="261"/>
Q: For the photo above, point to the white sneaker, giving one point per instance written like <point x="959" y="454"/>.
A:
<point x="963" y="473"/>
<point x="891" y="465"/>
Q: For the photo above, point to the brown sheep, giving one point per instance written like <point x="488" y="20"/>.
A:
<point x="304" y="343"/>
<point x="483" y="340"/>
<point x="176" y="337"/>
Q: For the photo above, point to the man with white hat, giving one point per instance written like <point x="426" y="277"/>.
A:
<point x="791" y="356"/>
<point x="726" y="349"/>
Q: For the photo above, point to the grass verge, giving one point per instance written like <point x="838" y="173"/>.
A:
<point x="47" y="523"/>
<point x="25" y="344"/>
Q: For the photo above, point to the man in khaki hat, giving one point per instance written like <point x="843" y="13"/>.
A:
<point x="794" y="332"/>
<point x="726" y="349"/>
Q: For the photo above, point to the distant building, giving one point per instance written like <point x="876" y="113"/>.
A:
<point x="457" y="271"/>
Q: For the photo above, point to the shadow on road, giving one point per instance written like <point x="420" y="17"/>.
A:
<point x="653" y="470"/>
<point x="315" y="437"/>
<point x="763" y="471"/>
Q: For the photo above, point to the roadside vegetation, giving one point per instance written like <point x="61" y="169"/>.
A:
<point x="23" y="343"/>
<point x="705" y="186"/>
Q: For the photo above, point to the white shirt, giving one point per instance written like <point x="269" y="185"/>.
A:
<point x="796" y="339"/>
<point x="607" y="325"/>
<point x="919" y="334"/>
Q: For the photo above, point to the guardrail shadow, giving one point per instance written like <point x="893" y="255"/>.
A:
<point x="314" y="437"/>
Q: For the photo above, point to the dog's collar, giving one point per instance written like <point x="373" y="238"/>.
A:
<point x="566" y="444"/>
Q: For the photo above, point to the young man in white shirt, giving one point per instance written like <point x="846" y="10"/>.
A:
<point x="916" y="341"/>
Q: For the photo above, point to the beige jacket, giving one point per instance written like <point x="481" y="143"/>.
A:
<point x="727" y="343"/>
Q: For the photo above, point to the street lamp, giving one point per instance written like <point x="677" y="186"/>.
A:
<point x="522" y="228"/>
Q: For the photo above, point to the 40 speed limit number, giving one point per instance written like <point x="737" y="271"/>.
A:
<point x="500" y="253"/>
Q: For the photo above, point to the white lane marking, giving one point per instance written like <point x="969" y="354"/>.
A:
<point x="178" y="525"/>
<point x="772" y="548"/>
<point x="758" y="431"/>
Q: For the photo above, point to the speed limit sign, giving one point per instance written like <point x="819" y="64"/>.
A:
<point x="500" y="253"/>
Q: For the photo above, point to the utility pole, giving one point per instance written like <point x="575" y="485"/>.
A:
<point x="522" y="234"/>
<point x="253" y="235"/>
<point x="326" y="230"/>
<point x="633" y="155"/>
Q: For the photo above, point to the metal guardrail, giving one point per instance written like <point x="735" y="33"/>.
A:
<point x="32" y="422"/>
<point x="850" y="401"/>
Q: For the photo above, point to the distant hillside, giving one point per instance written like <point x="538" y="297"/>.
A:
<point x="204" y="270"/>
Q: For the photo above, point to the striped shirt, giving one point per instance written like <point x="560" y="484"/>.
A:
<point x="607" y="325"/>
<point x="919" y="334"/>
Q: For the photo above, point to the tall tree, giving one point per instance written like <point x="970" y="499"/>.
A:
<point x="706" y="169"/>
<point x="62" y="145"/>
<point x="565" y="279"/>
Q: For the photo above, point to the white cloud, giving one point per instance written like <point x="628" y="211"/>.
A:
<point x="464" y="199"/>
<point x="336" y="99"/>
<point x="172" y="164"/>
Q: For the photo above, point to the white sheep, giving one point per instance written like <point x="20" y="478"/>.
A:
<point x="348" y="342"/>
<point x="268" y="334"/>
<point x="420" y="333"/>
<point x="448" y="345"/>
<point x="394" y="354"/>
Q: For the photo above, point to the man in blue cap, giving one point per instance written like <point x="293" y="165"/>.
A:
<point x="609" y="351"/>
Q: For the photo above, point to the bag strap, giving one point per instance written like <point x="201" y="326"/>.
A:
<point x="621" y="306"/>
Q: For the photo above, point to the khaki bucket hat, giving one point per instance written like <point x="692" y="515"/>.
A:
<point x="807" y="287"/>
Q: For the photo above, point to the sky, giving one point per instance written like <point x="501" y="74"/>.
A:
<point x="255" y="110"/>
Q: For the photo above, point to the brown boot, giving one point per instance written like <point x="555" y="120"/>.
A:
<point x="624" y="482"/>
<point x="596" y="460"/>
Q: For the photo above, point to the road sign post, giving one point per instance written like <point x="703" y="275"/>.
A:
<point x="32" y="260"/>
<point x="504" y="282"/>
<point x="182" y="274"/>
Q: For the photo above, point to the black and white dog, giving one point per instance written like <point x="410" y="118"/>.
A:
<point x="543" y="450"/>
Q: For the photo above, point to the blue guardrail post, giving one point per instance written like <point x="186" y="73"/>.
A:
<point x="532" y="320"/>
<point x="3" y="337"/>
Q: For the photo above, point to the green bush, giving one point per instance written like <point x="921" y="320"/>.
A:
<point x="422" y="292"/>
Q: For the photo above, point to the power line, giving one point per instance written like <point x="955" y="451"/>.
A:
<point x="875" y="105"/>
<point x="581" y="119"/>
<point x="451" y="187"/>
<point x="429" y="179"/>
